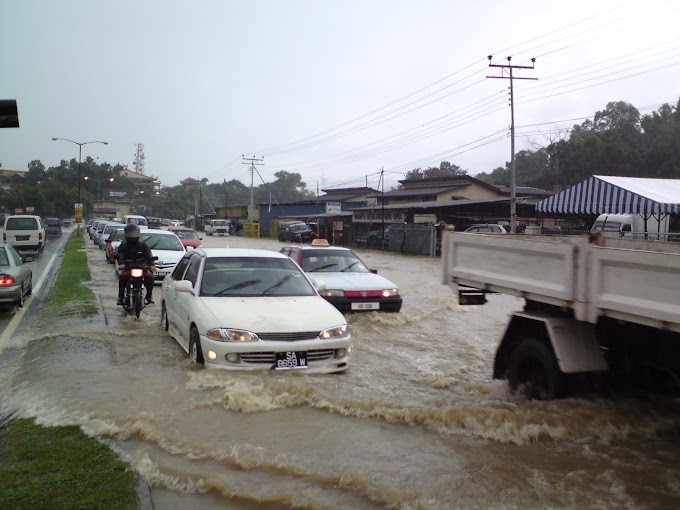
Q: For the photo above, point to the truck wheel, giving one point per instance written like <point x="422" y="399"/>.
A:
<point x="533" y="371"/>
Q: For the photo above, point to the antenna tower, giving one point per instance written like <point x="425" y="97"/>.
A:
<point x="139" y="159"/>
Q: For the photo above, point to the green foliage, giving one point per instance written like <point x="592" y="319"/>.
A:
<point x="70" y="297"/>
<point x="445" y="169"/>
<point x="44" y="468"/>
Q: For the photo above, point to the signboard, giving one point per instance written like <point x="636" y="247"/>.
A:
<point x="78" y="213"/>
<point x="18" y="210"/>
<point x="375" y="216"/>
<point x="333" y="207"/>
<point x="30" y="210"/>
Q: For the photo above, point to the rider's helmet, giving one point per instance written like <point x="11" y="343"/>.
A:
<point x="131" y="233"/>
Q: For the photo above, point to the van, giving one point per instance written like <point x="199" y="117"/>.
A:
<point x="137" y="220"/>
<point x="24" y="233"/>
<point x="631" y="226"/>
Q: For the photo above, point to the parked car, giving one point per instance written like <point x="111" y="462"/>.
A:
<point x="106" y="232"/>
<point x="486" y="228"/>
<point x="16" y="277"/>
<point x="24" y="233"/>
<point x="188" y="236"/>
<point x="112" y="243"/>
<point x="164" y="245"/>
<point x="246" y="309"/>
<point x="296" y="232"/>
<point x="53" y="227"/>
<point x="349" y="284"/>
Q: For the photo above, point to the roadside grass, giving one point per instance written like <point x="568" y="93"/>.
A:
<point x="48" y="468"/>
<point x="70" y="297"/>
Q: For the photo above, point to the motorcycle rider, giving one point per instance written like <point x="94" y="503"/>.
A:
<point x="131" y="249"/>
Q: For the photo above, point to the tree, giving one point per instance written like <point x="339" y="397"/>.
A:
<point x="445" y="169"/>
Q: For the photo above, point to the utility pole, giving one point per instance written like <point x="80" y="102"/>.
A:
<point x="253" y="162"/>
<point x="382" y="206"/>
<point x="226" y="205"/>
<point x="513" y="190"/>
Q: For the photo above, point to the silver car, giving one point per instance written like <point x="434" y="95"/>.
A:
<point x="16" y="277"/>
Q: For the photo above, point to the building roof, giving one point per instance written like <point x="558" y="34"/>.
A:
<point x="525" y="191"/>
<point x="434" y="204"/>
<point x="414" y="192"/>
<point x="602" y="194"/>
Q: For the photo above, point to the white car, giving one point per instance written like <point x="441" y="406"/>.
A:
<point x="348" y="283"/>
<point x="246" y="309"/>
<point x="164" y="245"/>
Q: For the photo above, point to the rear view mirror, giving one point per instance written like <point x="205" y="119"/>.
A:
<point x="374" y="271"/>
<point x="27" y="258"/>
<point x="184" y="286"/>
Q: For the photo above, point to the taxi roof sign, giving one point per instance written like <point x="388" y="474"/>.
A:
<point x="320" y="242"/>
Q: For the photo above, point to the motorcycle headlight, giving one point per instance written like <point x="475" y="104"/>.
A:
<point x="137" y="272"/>
<point x="333" y="333"/>
<point x="390" y="292"/>
<point x="232" y="335"/>
<point x="332" y="293"/>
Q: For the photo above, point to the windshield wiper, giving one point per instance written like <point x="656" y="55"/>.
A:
<point x="321" y="267"/>
<point x="277" y="284"/>
<point x="350" y="266"/>
<point x="154" y="244"/>
<point x="246" y="283"/>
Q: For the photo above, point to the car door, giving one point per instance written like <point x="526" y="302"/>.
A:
<point x="170" y="296"/>
<point x="185" y="303"/>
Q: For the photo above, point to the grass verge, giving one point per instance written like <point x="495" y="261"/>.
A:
<point x="49" y="468"/>
<point x="70" y="297"/>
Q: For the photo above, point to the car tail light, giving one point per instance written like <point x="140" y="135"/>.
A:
<point x="6" y="279"/>
<point x="4" y="237"/>
<point x="39" y="236"/>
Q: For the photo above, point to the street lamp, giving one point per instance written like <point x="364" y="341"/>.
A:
<point x="99" y="186"/>
<point x="80" y="155"/>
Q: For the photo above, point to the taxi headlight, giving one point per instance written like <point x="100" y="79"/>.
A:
<point x="390" y="292"/>
<point x="332" y="293"/>
<point x="232" y="335"/>
<point x="333" y="333"/>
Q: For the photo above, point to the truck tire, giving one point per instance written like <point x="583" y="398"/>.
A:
<point x="533" y="371"/>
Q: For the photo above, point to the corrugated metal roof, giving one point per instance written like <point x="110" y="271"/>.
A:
<point x="434" y="204"/>
<point x="430" y="190"/>
<point x="602" y="194"/>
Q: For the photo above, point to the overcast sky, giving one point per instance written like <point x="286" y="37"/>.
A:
<point x="333" y="90"/>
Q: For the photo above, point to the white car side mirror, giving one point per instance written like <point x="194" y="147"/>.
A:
<point x="184" y="286"/>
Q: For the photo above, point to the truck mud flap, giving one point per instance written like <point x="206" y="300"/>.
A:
<point x="471" y="296"/>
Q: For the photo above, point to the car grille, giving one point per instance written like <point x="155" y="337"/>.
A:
<point x="289" y="337"/>
<point x="363" y="293"/>
<point x="165" y="265"/>
<point x="268" y="357"/>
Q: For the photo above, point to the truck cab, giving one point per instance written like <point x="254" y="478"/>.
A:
<point x="218" y="227"/>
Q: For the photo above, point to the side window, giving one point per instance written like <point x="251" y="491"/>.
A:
<point x="13" y="253"/>
<point x="178" y="273"/>
<point x="192" y="271"/>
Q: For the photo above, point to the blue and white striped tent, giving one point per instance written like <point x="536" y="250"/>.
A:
<point x="603" y="194"/>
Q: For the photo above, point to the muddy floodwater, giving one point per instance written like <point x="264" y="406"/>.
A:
<point x="416" y="423"/>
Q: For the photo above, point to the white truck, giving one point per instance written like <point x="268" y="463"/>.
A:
<point x="597" y="309"/>
<point x="217" y="227"/>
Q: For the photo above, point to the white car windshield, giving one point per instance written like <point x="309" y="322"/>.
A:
<point x="161" y="242"/>
<point x="332" y="261"/>
<point x="253" y="277"/>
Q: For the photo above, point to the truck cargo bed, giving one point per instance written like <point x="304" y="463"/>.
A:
<point x="635" y="281"/>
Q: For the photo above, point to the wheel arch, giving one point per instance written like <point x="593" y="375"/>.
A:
<point x="518" y="328"/>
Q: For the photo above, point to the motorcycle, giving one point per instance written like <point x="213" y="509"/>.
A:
<point x="133" y="302"/>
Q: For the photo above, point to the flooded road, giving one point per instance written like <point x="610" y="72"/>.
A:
<point x="416" y="423"/>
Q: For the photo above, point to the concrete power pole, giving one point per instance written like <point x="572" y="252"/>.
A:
<point x="509" y="76"/>
<point x="253" y="162"/>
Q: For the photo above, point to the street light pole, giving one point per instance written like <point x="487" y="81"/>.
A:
<point x="80" y="157"/>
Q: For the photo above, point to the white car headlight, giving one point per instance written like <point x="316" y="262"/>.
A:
<point x="232" y="335"/>
<point x="390" y="292"/>
<point x="333" y="333"/>
<point x="332" y="293"/>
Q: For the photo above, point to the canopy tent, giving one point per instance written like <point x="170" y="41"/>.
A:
<point x="603" y="194"/>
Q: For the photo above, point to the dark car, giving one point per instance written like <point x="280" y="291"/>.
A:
<point x="296" y="232"/>
<point x="52" y="227"/>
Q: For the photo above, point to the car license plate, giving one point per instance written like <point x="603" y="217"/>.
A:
<point x="365" y="306"/>
<point x="291" y="360"/>
<point x="22" y="238"/>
